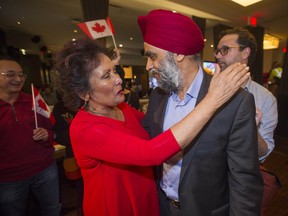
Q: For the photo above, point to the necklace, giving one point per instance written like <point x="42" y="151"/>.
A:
<point x="98" y="113"/>
<point x="114" y="114"/>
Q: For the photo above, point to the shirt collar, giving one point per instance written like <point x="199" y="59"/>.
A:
<point x="248" y="84"/>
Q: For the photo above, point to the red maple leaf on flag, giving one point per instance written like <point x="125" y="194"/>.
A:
<point x="98" y="28"/>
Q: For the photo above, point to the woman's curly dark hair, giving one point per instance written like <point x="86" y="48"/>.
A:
<point x="74" y="65"/>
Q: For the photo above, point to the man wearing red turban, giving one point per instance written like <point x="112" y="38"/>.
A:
<point x="218" y="174"/>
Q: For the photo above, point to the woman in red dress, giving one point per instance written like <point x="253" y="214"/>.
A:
<point x="114" y="152"/>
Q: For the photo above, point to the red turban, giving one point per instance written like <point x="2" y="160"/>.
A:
<point x="171" y="31"/>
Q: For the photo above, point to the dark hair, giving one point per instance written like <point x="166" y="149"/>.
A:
<point x="7" y="58"/>
<point x="74" y="65"/>
<point x="245" y="39"/>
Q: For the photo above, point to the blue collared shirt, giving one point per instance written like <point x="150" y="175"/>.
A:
<point x="176" y="110"/>
<point x="267" y="103"/>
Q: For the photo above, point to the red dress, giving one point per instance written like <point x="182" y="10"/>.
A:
<point x="116" y="160"/>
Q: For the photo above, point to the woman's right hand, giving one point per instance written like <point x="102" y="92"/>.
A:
<point x="225" y="84"/>
<point x="222" y="87"/>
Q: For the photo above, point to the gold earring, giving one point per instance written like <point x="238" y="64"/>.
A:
<point x="85" y="103"/>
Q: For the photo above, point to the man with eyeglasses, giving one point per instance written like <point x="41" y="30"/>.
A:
<point x="26" y="153"/>
<point x="239" y="45"/>
<point x="218" y="174"/>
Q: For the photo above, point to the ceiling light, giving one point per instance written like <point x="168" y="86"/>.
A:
<point x="270" y="42"/>
<point x="23" y="51"/>
<point x="246" y="3"/>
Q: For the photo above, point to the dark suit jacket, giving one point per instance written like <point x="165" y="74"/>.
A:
<point x="220" y="174"/>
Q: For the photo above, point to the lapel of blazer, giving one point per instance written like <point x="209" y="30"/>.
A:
<point x="159" y="111"/>
<point x="158" y="116"/>
<point x="189" y="151"/>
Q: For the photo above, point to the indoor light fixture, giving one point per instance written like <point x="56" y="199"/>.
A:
<point x="270" y="42"/>
<point x="246" y="3"/>
<point x="128" y="72"/>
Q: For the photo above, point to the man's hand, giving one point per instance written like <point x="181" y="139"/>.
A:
<point x="259" y="115"/>
<point x="40" y="134"/>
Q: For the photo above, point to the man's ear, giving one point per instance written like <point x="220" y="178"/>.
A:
<point x="178" y="57"/>
<point x="246" y="52"/>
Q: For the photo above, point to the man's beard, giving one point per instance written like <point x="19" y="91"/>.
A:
<point x="170" y="79"/>
<point x="222" y="66"/>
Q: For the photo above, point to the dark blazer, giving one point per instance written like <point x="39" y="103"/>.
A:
<point x="220" y="174"/>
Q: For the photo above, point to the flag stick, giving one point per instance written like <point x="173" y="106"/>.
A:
<point x="114" y="41"/>
<point x="34" y="105"/>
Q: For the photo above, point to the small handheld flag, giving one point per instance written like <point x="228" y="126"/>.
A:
<point x="39" y="106"/>
<point x="110" y="25"/>
<point x="98" y="28"/>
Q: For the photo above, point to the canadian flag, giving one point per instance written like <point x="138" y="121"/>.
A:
<point x="97" y="28"/>
<point x="110" y="25"/>
<point x="40" y="106"/>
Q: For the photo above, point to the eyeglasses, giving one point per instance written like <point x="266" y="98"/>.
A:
<point x="12" y="75"/>
<point x="224" y="50"/>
